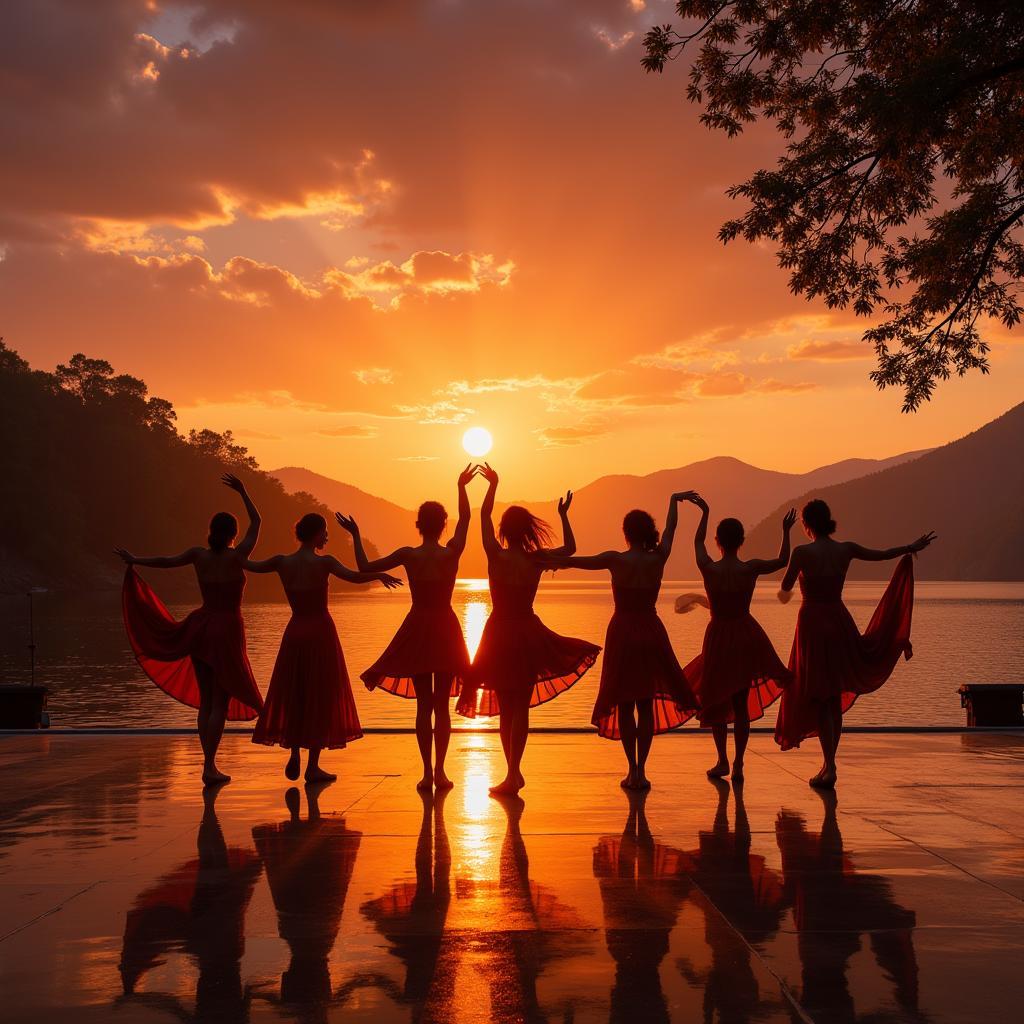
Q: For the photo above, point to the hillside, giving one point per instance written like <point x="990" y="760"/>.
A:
<point x="89" y="461"/>
<point x="970" y="492"/>
<point x="732" y="487"/>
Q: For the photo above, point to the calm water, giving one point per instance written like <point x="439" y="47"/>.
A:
<point x="963" y="632"/>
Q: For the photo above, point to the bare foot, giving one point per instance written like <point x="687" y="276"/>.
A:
<point x="291" y="769"/>
<point x="213" y="777"/>
<point x="319" y="775"/>
<point x="442" y="782"/>
<point x="825" y="779"/>
<point x="737" y="771"/>
<point x="426" y="783"/>
<point x="719" y="771"/>
<point x="507" y="787"/>
<point x="642" y="782"/>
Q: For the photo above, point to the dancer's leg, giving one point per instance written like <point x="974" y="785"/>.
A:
<point x="720" y="731"/>
<point x="424" y="728"/>
<point x="515" y="715"/>
<point x="644" y="738"/>
<point x="826" y="778"/>
<point x="442" y="728"/>
<point x="213" y="711"/>
<point x="740" y="733"/>
<point x="314" y="773"/>
<point x="627" y="734"/>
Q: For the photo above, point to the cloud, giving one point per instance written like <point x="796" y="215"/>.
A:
<point x="417" y="458"/>
<point x="256" y="435"/>
<point x="374" y="375"/>
<point x="443" y="413"/>
<point x="829" y="351"/>
<point x="724" y="385"/>
<point x="565" y="437"/>
<point x="350" y="430"/>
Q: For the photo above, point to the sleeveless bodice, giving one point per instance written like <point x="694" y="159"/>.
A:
<point x="309" y="600"/>
<point x="822" y="589"/>
<point x="431" y="594"/>
<point x="635" y="599"/>
<point x="513" y="598"/>
<point x="222" y="595"/>
<point x="730" y="604"/>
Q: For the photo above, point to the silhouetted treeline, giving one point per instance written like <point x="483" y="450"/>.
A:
<point x="89" y="460"/>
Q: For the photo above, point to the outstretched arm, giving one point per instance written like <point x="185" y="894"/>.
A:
<point x="159" y="561"/>
<point x="264" y="565"/>
<point x="883" y="555"/>
<point x="491" y="545"/>
<point x="343" y="572"/>
<point x="605" y="560"/>
<point x="672" y="521"/>
<point x="458" y="538"/>
<point x="396" y="558"/>
<point x="568" y="539"/>
<point x="253" y="533"/>
<point x="762" y="566"/>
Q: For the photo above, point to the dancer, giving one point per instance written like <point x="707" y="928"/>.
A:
<point x="200" y="661"/>
<point x="309" y="701"/>
<point x="520" y="662"/>
<point x="832" y="663"/>
<point x="737" y="673"/>
<point x="640" y="674"/>
<point x="427" y="658"/>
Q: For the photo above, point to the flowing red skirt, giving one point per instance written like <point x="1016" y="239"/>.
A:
<point x="167" y="649"/>
<point x="640" y="664"/>
<point x="832" y="658"/>
<point x="737" y="657"/>
<point x="429" y="641"/>
<point x="519" y="652"/>
<point x="309" y="701"/>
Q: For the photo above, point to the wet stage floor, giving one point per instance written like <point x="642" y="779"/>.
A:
<point x="124" y="896"/>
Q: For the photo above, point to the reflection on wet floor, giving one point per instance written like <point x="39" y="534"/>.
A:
<point x="130" y="895"/>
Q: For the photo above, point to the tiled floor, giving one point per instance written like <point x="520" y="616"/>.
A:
<point x="125" y="897"/>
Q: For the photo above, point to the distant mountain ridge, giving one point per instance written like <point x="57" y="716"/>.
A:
<point x="970" y="492"/>
<point x="733" y="487"/>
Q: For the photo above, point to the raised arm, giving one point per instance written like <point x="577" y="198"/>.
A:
<point x="883" y="555"/>
<point x="252" y="535"/>
<point x="672" y="521"/>
<point x="568" y="539"/>
<point x="491" y="545"/>
<point x="762" y="566"/>
<point x="343" y="572"/>
<point x="457" y="543"/>
<point x="700" y="535"/>
<point x="159" y="561"/>
<point x="396" y="558"/>
<point x="271" y="564"/>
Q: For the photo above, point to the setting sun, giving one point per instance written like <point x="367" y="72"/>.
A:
<point x="477" y="441"/>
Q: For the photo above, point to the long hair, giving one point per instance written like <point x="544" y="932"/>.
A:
<point x="638" y="527"/>
<point x="817" y="517"/>
<point x="223" y="530"/>
<point x="521" y="528"/>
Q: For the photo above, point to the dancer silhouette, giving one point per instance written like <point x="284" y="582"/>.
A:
<point x="640" y="674"/>
<point x="832" y="663"/>
<point x="198" y="909"/>
<point x="427" y="658"/>
<point x="834" y="906"/>
<point x="737" y="674"/>
<point x="309" y="701"/>
<point x="200" y="661"/>
<point x="643" y="885"/>
<point x="520" y="663"/>
<point x="309" y="865"/>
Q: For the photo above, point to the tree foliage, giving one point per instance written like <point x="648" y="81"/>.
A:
<point x="900" y="192"/>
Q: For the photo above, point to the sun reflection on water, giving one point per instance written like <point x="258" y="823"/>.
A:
<point x="476" y="849"/>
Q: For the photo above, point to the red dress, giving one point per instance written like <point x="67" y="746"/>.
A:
<point x="832" y="658"/>
<point x="214" y="635"/>
<point x="518" y="651"/>
<point x="737" y="657"/>
<point x="639" y="664"/>
<point x="429" y="641"/>
<point x="309" y="701"/>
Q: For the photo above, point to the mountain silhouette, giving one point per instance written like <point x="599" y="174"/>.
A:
<point x="970" y="492"/>
<point x="733" y="487"/>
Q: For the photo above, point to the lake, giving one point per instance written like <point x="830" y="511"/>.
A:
<point x="963" y="632"/>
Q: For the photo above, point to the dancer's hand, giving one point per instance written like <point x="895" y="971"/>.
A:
<point x="922" y="542"/>
<point x="232" y="481"/>
<point x="564" y="503"/>
<point x="487" y="473"/>
<point x="467" y="474"/>
<point x="347" y="523"/>
<point x="788" y="520"/>
<point x="785" y="596"/>
<point x="389" y="581"/>
<point x="126" y="556"/>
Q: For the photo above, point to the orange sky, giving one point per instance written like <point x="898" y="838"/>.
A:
<point x="350" y="230"/>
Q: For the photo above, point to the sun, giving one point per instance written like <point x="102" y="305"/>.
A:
<point x="477" y="441"/>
